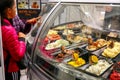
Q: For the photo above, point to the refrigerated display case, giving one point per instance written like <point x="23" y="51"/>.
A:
<point x="70" y="43"/>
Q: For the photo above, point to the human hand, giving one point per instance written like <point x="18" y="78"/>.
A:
<point x="33" y="20"/>
<point x="21" y="35"/>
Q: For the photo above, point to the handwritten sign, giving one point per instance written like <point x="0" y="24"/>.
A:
<point x="28" y="8"/>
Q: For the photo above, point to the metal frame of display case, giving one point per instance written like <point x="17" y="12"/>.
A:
<point x="72" y="73"/>
<point x="2" y="72"/>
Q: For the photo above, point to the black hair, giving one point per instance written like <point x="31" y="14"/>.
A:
<point x="4" y="4"/>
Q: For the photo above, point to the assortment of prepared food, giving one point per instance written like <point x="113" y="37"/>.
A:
<point x="115" y="75"/>
<point x="72" y="26"/>
<point x="76" y="38"/>
<point x="67" y="53"/>
<point x="99" y="67"/>
<point x="112" y="51"/>
<point x="86" y="29"/>
<point x="57" y="44"/>
<point x="63" y="36"/>
<point x="113" y="34"/>
<point x="68" y="32"/>
<point x="64" y="52"/>
<point x="79" y="62"/>
<point x="94" y="45"/>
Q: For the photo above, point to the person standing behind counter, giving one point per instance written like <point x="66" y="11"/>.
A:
<point x="13" y="44"/>
<point x="112" y="18"/>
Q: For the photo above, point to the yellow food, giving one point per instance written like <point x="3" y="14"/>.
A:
<point x="94" y="59"/>
<point x="75" y="56"/>
<point x="51" y="32"/>
<point x="91" y="47"/>
<point x="112" y="52"/>
<point x="80" y="61"/>
<point x="77" y="63"/>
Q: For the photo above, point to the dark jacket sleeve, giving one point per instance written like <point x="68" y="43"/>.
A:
<point x="20" y="25"/>
<point x="27" y="26"/>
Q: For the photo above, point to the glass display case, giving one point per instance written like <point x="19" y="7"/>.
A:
<point x="74" y="41"/>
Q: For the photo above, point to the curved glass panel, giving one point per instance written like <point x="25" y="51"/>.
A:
<point x="68" y="30"/>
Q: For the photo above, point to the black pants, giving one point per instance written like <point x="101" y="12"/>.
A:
<point x="12" y="76"/>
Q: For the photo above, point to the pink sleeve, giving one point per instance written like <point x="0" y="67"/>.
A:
<point x="15" y="47"/>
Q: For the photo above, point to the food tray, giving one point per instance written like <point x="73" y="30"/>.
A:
<point x="112" y="53"/>
<point x="65" y="25"/>
<point x="95" y="49"/>
<point x="117" y="58"/>
<point x="112" y="38"/>
<point x="83" y="56"/>
<point x="99" y="51"/>
<point x="108" y="67"/>
<point x="68" y="56"/>
<point x="71" y="48"/>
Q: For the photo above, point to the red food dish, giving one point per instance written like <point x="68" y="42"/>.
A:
<point x="115" y="76"/>
<point x="116" y="72"/>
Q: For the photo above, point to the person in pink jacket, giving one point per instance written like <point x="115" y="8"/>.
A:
<point x="13" y="44"/>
